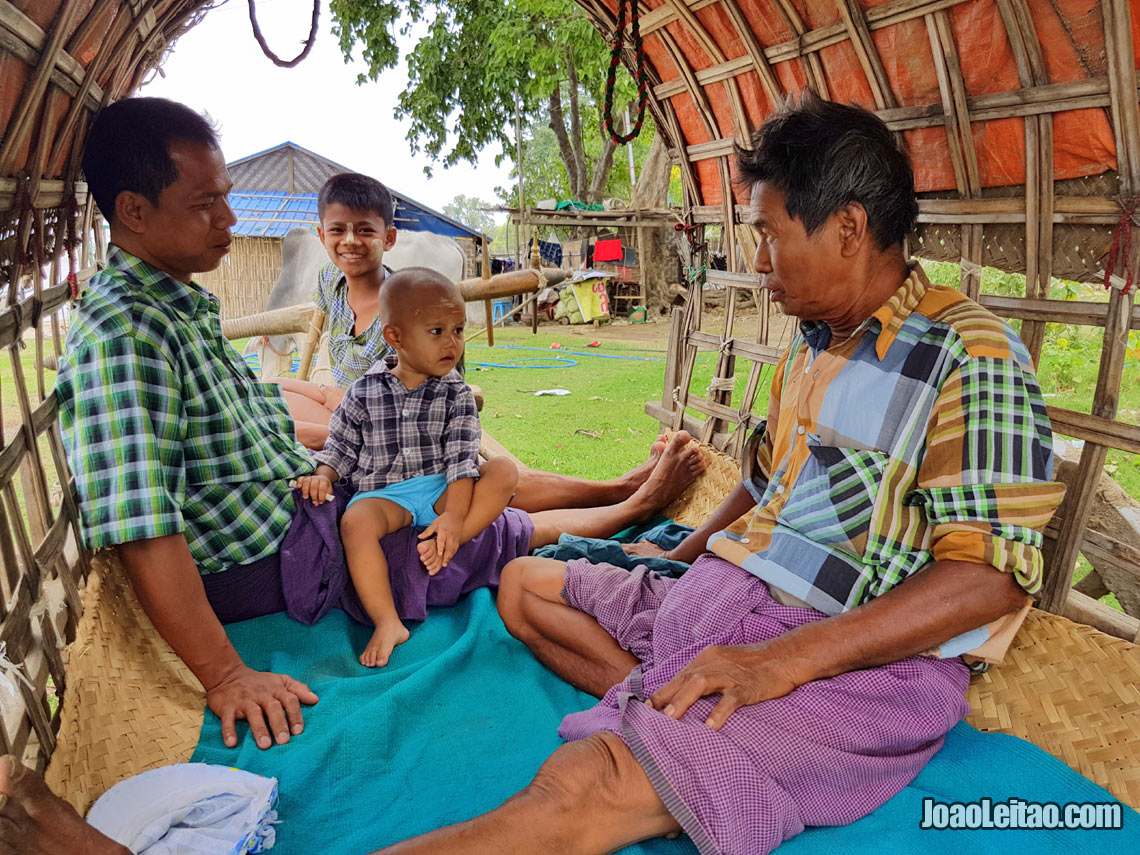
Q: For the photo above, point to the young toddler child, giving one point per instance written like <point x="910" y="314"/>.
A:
<point x="406" y="438"/>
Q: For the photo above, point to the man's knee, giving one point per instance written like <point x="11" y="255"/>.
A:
<point x="599" y="774"/>
<point x="501" y="472"/>
<point x="585" y="770"/>
<point x="524" y="578"/>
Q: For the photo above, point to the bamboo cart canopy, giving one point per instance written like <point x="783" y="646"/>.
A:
<point x="1016" y="113"/>
<point x="1021" y="116"/>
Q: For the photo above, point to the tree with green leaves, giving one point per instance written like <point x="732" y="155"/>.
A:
<point x="464" y="74"/>
<point x="472" y="212"/>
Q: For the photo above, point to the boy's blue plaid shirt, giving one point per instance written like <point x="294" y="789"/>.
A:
<point x="383" y="433"/>
<point x="167" y="430"/>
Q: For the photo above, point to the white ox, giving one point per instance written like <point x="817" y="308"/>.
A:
<point x="302" y="257"/>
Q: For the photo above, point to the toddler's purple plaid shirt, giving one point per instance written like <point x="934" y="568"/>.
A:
<point x="383" y="433"/>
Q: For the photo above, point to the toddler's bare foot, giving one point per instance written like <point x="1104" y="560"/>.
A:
<point x="429" y="556"/>
<point x="34" y="821"/>
<point x="384" y="639"/>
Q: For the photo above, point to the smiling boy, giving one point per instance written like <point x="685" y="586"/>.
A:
<point x="356" y="214"/>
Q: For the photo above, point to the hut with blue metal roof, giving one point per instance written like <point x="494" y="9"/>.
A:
<point x="275" y="190"/>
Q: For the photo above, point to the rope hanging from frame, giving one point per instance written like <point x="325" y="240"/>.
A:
<point x="623" y="10"/>
<point x="1122" y="246"/>
<point x="274" y="58"/>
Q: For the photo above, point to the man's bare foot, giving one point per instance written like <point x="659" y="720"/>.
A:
<point x="387" y="635"/>
<point x="35" y="821"/>
<point x="639" y="474"/>
<point x="680" y="465"/>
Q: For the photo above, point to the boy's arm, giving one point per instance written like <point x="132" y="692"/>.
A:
<point x="460" y="441"/>
<point x="461" y="435"/>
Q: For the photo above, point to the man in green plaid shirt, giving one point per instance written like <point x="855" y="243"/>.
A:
<point x="181" y="457"/>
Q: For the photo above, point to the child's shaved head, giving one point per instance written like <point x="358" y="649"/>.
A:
<point x="409" y="290"/>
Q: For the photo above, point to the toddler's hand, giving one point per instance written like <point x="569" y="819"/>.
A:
<point x="315" y="488"/>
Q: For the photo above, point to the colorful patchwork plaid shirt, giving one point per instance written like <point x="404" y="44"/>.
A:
<point x="351" y="355"/>
<point x="923" y="437"/>
<point x="167" y="430"/>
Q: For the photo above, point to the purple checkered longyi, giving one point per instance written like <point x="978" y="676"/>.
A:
<point x="828" y="753"/>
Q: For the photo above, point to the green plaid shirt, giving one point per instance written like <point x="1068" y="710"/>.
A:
<point x="167" y="430"/>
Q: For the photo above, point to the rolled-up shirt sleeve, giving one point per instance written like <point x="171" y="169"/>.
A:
<point x="461" y="437"/>
<point x="985" y="480"/>
<point x="122" y="422"/>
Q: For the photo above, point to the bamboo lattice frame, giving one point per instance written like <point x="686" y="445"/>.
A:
<point x="64" y="59"/>
<point x="60" y="63"/>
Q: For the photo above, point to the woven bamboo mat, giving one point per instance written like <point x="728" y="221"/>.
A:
<point x="1073" y="691"/>
<point x="695" y="505"/>
<point x="130" y="704"/>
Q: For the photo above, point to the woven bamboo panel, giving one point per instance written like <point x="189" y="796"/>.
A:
<point x="1073" y="691"/>
<point x="131" y="704"/>
<point x="246" y="276"/>
<point x="695" y="505"/>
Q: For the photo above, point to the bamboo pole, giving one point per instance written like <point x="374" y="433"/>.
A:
<point x="316" y="327"/>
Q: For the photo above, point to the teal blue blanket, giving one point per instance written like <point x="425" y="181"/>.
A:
<point x="464" y="715"/>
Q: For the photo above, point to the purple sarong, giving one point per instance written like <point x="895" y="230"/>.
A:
<point x="315" y="576"/>
<point x="828" y="753"/>
<point x="309" y="575"/>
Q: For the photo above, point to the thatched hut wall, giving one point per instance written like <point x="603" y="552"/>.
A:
<point x="246" y="276"/>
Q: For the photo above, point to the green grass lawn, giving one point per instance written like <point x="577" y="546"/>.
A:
<point x="600" y="429"/>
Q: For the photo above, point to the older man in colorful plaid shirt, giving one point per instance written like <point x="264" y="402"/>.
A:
<point x="804" y="672"/>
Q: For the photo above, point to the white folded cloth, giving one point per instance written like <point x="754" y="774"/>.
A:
<point x="190" y="808"/>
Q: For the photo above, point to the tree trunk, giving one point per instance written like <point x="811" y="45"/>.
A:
<point x="659" y="262"/>
<point x="565" y="148"/>
<point x="580" y="161"/>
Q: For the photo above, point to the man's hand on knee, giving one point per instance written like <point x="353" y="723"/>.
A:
<point x="741" y="675"/>
<point x="258" y="697"/>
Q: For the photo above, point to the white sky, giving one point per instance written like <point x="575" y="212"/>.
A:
<point x="219" y="68"/>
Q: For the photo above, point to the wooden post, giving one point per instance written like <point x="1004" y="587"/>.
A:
<point x="536" y="263"/>
<point x="316" y="327"/>
<point x="486" y="274"/>
<point x="642" y="292"/>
